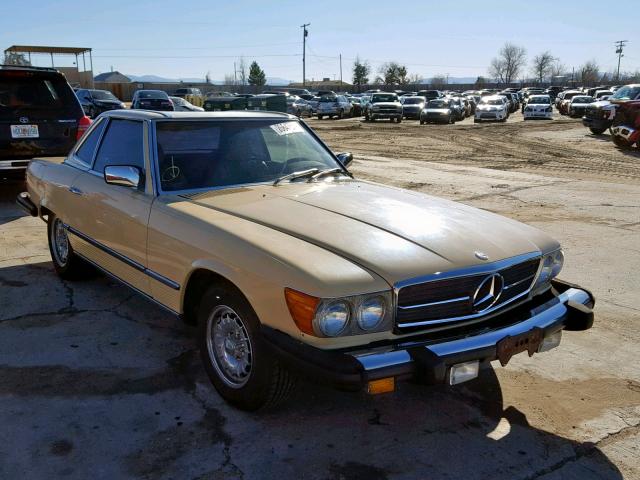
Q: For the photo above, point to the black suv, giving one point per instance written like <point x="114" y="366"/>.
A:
<point x="94" y="102"/>
<point x="40" y="116"/>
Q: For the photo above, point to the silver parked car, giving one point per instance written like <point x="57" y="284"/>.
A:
<point x="334" y="106"/>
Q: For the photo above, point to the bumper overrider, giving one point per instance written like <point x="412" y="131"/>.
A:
<point x="533" y="327"/>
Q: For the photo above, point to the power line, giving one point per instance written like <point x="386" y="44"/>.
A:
<point x="195" y="56"/>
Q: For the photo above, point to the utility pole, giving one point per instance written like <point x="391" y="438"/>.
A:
<point x="305" y="32"/>
<point x="340" y="72"/>
<point x="620" y="44"/>
<point x="235" y="74"/>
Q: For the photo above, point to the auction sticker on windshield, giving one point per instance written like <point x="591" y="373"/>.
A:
<point x="287" y="128"/>
<point x="24" y="131"/>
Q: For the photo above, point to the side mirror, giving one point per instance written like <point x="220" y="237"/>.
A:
<point x="345" y="158"/>
<point x="123" y="175"/>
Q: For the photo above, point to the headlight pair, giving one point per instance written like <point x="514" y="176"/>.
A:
<point x="333" y="317"/>
<point x="551" y="266"/>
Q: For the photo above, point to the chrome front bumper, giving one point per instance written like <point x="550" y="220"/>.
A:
<point x="434" y="360"/>
<point x="430" y="359"/>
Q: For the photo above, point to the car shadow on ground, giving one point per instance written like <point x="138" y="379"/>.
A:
<point x="97" y="382"/>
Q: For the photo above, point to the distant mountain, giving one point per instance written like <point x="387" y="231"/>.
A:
<point x="157" y="79"/>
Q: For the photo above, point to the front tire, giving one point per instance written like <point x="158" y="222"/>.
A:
<point x="67" y="264"/>
<point x="597" y="131"/>
<point x="236" y="360"/>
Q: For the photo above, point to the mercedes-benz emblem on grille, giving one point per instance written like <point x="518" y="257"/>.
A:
<point x="488" y="292"/>
<point x="24" y="120"/>
<point x="481" y="255"/>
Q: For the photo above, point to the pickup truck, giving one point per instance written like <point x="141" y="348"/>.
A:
<point x="599" y="116"/>
<point x="246" y="224"/>
<point x="383" y="105"/>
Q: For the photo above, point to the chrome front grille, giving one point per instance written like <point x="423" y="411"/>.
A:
<point x="453" y="297"/>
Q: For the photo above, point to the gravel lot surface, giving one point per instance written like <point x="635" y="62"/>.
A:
<point x="95" y="382"/>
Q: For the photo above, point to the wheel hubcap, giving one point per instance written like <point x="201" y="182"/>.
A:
<point x="229" y="346"/>
<point x="60" y="242"/>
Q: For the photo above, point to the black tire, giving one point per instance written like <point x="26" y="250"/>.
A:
<point x="319" y="117"/>
<point x="266" y="382"/>
<point x="451" y="120"/>
<point x="475" y="120"/>
<point x="68" y="266"/>
<point x="597" y="131"/>
<point x="399" y="119"/>
<point x="421" y="122"/>
<point x="340" y="114"/>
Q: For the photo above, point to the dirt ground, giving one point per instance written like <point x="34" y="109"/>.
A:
<point x="97" y="383"/>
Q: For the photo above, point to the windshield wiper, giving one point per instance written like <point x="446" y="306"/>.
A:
<point x="298" y="174"/>
<point x="325" y="172"/>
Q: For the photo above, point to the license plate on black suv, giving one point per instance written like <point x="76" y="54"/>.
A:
<point x="24" y="131"/>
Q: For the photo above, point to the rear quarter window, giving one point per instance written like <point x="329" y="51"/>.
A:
<point x="88" y="147"/>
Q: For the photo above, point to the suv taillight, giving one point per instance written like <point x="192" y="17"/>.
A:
<point x="83" y="125"/>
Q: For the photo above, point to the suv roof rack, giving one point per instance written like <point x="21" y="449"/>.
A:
<point x="26" y="67"/>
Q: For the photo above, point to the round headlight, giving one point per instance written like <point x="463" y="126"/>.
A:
<point x="558" y="262"/>
<point x="371" y="313"/>
<point x="333" y="318"/>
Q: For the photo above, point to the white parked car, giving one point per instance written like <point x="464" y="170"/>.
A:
<point x="538" y="106"/>
<point x="492" y="108"/>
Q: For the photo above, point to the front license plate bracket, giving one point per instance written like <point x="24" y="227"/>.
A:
<point x="528" y="341"/>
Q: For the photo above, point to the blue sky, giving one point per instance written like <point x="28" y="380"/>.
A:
<point x="189" y="38"/>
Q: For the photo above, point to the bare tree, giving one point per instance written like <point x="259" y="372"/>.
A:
<point x="508" y="64"/>
<point x="415" y="79"/>
<point x="542" y="65"/>
<point x="438" y="81"/>
<point x="558" y="69"/>
<point x="242" y="71"/>
<point x="589" y="73"/>
<point x="229" y="79"/>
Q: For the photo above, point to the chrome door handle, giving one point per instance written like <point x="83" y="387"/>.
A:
<point x="75" y="191"/>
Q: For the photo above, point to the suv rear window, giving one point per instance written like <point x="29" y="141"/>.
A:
<point x="29" y="94"/>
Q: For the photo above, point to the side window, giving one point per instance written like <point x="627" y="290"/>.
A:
<point x="88" y="147"/>
<point x="122" y="144"/>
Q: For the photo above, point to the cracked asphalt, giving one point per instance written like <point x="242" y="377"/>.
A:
<point x="96" y="382"/>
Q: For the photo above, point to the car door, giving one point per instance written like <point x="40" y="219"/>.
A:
<point x="111" y="228"/>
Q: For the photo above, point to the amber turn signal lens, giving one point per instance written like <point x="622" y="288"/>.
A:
<point x="384" y="385"/>
<point x="302" y="308"/>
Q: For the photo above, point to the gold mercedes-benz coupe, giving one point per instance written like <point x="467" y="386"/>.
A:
<point x="248" y="225"/>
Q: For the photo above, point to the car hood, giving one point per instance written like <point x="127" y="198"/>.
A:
<point x="395" y="233"/>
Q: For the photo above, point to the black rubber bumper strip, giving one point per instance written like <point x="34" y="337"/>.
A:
<point x="24" y="201"/>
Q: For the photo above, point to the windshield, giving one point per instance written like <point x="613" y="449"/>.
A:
<point x="327" y="99"/>
<point x="582" y="100"/>
<point x="491" y="101"/>
<point x="152" y="94"/>
<point x="384" y="98"/>
<point x="103" y="95"/>
<point x="208" y="154"/>
<point x="539" y="100"/>
<point x="438" y="104"/>
<point x="413" y="100"/>
<point x="626" y="93"/>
